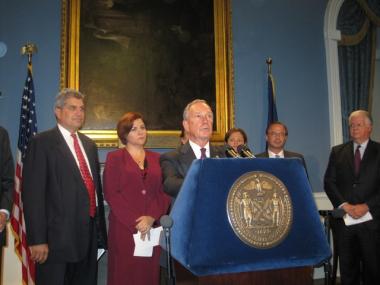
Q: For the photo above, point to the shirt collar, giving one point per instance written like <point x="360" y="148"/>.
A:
<point x="64" y="131"/>
<point x="197" y="149"/>
<point x="273" y="155"/>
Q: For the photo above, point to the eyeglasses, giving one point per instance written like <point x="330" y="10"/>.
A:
<point x="275" y="134"/>
<point x="357" y="126"/>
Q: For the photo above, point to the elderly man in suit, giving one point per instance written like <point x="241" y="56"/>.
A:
<point x="352" y="183"/>
<point x="197" y="123"/>
<point x="276" y="135"/>
<point x="6" y="185"/>
<point x="63" y="200"/>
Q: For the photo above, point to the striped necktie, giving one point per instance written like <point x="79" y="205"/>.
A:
<point x="86" y="176"/>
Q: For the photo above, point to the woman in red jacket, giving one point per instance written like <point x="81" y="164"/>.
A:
<point x="133" y="189"/>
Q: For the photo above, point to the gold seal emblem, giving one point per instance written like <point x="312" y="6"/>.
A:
<point x="259" y="209"/>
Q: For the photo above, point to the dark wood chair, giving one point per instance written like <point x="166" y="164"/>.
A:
<point x="329" y="221"/>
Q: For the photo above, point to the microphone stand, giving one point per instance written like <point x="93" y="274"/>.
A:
<point x="166" y="223"/>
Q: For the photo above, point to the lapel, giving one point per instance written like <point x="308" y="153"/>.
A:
<point x="349" y="153"/>
<point x="130" y="165"/>
<point x="186" y="156"/>
<point x="370" y="152"/>
<point x="215" y="152"/>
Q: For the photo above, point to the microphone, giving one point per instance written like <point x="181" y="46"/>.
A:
<point x="230" y="152"/>
<point x="244" y="151"/>
<point x="166" y="223"/>
<point x="338" y="213"/>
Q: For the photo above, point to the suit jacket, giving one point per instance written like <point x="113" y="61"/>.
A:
<point x="341" y="184"/>
<point x="56" y="202"/>
<point x="6" y="177"/>
<point x="287" y="154"/>
<point x="176" y="163"/>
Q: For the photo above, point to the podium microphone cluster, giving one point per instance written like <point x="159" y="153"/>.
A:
<point x="166" y="223"/>
<point x="244" y="151"/>
<point x="230" y="152"/>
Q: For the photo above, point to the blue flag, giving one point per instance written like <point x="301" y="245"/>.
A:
<point x="272" y="109"/>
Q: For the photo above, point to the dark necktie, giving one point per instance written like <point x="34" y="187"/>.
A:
<point x="277" y="156"/>
<point x="203" y="153"/>
<point x="86" y="176"/>
<point x="357" y="160"/>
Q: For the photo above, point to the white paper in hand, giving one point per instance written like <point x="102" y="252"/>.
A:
<point x="349" y="221"/>
<point x="144" y="248"/>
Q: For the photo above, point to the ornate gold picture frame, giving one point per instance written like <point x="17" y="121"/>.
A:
<point x="223" y="104"/>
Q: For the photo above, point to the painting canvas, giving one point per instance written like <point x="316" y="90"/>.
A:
<point x="149" y="56"/>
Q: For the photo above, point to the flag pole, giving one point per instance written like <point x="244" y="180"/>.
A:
<point x="27" y="129"/>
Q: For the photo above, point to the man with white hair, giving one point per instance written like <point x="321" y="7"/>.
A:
<point x="352" y="183"/>
<point x="197" y="123"/>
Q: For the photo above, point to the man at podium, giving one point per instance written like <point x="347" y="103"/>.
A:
<point x="197" y="122"/>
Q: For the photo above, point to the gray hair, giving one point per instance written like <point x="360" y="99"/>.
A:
<point x="361" y="113"/>
<point x="188" y="106"/>
<point x="65" y="94"/>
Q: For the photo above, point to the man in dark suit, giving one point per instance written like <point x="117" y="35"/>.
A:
<point x="276" y="135"/>
<point x="63" y="200"/>
<point x="197" y="123"/>
<point x="352" y="183"/>
<point x="6" y="186"/>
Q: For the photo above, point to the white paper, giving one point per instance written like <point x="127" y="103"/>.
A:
<point x="145" y="247"/>
<point x="101" y="251"/>
<point x="349" y="221"/>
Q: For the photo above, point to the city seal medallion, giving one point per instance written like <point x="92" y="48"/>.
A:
<point x="259" y="209"/>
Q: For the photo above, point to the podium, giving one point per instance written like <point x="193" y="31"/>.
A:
<point x="205" y="243"/>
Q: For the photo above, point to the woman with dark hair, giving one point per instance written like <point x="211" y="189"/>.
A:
<point x="133" y="189"/>
<point x="235" y="137"/>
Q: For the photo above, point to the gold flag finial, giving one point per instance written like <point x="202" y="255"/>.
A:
<point x="269" y="63"/>
<point x="29" y="49"/>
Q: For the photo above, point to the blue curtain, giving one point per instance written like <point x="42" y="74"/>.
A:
<point x="356" y="53"/>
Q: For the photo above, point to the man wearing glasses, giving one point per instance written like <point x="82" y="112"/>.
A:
<point x="276" y="136"/>
<point x="352" y="183"/>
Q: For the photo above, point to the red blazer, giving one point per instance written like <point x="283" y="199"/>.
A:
<point x="132" y="192"/>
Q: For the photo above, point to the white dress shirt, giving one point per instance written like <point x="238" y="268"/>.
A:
<point x="197" y="149"/>
<point x="276" y="155"/>
<point x="70" y="142"/>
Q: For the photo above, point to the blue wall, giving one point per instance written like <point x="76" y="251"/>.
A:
<point x="291" y="32"/>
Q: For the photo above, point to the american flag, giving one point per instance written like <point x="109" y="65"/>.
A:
<point x="27" y="129"/>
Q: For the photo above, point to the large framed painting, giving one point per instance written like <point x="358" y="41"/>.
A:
<point x="149" y="56"/>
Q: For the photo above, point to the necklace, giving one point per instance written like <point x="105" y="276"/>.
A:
<point x="138" y="157"/>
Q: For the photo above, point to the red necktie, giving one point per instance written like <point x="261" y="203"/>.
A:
<point x="357" y="160"/>
<point x="203" y="153"/>
<point x="86" y="176"/>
